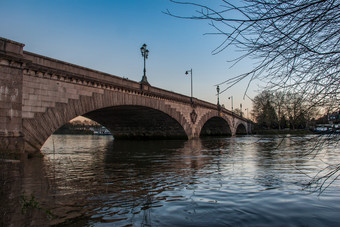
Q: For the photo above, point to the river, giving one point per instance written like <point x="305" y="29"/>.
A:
<point x="236" y="181"/>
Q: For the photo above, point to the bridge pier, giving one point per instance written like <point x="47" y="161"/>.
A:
<point x="11" y="83"/>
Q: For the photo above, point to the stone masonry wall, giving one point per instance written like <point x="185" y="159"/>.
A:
<point x="40" y="93"/>
<point x="11" y="63"/>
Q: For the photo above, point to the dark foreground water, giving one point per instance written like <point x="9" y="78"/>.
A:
<point x="241" y="181"/>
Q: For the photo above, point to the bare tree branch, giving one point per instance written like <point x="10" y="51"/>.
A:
<point x="296" y="44"/>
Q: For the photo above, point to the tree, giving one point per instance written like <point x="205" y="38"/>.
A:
<point x="264" y="112"/>
<point x="298" y="111"/>
<point x="259" y="102"/>
<point x="268" y="118"/>
<point x="278" y="102"/>
<point x="294" y="110"/>
<point x="283" y="122"/>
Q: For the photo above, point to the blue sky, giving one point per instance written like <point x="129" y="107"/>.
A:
<point x="107" y="35"/>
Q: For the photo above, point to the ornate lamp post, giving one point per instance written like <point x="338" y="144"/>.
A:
<point x="241" y="109"/>
<point x="145" y="53"/>
<point x="186" y="73"/>
<point x="232" y="103"/>
<point x="218" y="96"/>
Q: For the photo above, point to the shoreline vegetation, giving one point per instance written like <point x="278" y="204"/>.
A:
<point x="93" y="128"/>
<point x="70" y="131"/>
<point x="283" y="132"/>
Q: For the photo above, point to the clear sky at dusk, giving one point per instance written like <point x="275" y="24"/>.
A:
<point x="107" y="35"/>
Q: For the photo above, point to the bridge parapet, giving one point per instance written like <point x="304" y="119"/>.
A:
<point x="49" y="68"/>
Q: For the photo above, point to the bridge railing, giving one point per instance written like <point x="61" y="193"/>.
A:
<point x="71" y="72"/>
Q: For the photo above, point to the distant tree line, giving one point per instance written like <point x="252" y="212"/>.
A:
<point x="279" y="110"/>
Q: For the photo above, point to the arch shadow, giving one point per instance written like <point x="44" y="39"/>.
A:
<point x="137" y="122"/>
<point x="215" y="126"/>
<point x="241" y="129"/>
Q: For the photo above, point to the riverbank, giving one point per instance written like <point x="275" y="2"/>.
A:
<point x="282" y="132"/>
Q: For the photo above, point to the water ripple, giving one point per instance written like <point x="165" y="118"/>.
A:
<point x="243" y="181"/>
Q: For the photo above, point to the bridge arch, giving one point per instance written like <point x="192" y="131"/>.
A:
<point x="138" y="122"/>
<point x="214" y="123"/>
<point x="241" y="129"/>
<point x="42" y="125"/>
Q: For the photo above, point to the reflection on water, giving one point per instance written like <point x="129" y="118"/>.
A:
<point x="93" y="180"/>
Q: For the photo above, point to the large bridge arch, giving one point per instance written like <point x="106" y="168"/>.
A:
<point x="42" y="125"/>
<point x="138" y="122"/>
<point x="241" y="129"/>
<point x="214" y="123"/>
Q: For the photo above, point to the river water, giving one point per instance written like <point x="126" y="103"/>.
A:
<point x="234" y="181"/>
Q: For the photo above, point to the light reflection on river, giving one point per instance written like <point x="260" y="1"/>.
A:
<point x="206" y="182"/>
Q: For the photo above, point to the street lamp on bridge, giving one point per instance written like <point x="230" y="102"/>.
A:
<point x="218" y="96"/>
<point x="186" y="73"/>
<point x="232" y="103"/>
<point x="145" y="53"/>
<point x="241" y="109"/>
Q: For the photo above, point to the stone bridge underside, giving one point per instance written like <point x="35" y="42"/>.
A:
<point x="137" y="122"/>
<point x="38" y="95"/>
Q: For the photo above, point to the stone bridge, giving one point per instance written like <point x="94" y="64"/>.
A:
<point x="38" y="95"/>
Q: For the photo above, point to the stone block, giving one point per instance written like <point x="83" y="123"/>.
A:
<point x="86" y="93"/>
<point x="32" y="133"/>
<point x="12" y="113"/>
<point x="50" y="115"/>
<point x="48" y="123"/>
<point x="48" y="98"/>
<point x="47" y="104"/>
<point x="40" y="92"/>
<point x="33" y="97"/>
<point x="54" y="94"/>
<point x="31" y="84"/>
<point x="38" y="109"/>
<point x="27" y="108"/>
<point x="73" y="91"/>
<point x="32" y="102"/>
<point x="72" y="96"/>
<point x="27" y="114"/>
<point x="62" y="100"/>
<point x="27" y="90"/>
